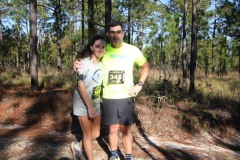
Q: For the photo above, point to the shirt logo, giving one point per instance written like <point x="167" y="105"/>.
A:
<point x="118" y="56"/>
<point x="96" y="75"/>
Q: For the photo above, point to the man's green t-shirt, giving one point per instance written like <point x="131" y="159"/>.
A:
<point x="118" y="70"/>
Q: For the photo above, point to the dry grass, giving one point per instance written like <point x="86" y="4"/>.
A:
<point x="48" y="78"/>
<point x="227" y="87"/>
<point x="210" y="88"/>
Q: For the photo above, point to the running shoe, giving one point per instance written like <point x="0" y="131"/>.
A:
<point x="77" y="152"/>
<point x="114" y="158"/>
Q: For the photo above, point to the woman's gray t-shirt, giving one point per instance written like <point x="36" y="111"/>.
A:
<point x="91" y="75"/>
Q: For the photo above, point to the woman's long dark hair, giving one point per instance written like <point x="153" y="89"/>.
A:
<point x="86" y="51"/>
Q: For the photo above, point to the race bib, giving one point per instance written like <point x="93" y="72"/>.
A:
<point x="116" y="77"/>
<point x="96" y="92"/>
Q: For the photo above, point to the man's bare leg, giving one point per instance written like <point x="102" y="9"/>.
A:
<point x="113" y="138"/>
<point x="127" y="138"/>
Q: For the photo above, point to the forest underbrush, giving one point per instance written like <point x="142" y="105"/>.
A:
<point x="172" y="123"/>
<point x="214" y="105"/>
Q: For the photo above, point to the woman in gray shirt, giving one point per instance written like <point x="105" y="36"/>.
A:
<point x="86" y="99"/>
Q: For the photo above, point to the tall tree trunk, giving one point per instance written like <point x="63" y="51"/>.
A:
<point x="176" y="57"/>
<point x="225" y="53"/>
<point x="162" y="55"/>
<point x="26" y="55"/>
<point x="59" y="36"/>
<point x="154" y="60"/>
<point x="91" y="29"/>
<point x="206" y="63"/>
<point x="1" y="43"/>
<point x="129" y="21"/>
<point x="213" y="43"/>
<point x="142" y="35"/>
<point x="108" y="13"/>
<point x="33" y="44"/>
<point x="83" y="28"/>
<point x="220" y="63"/>
<point x="132" y="33"/>
<point x="238" y="46"/>
<point x="222" y="57"/>
<point x="184" y="46"/>
<point x="205" y="60"/>
<point x="193" y="46"/>
<point x="18" y="35"/>
<point x="74" y="32"/>
<point x="224" y="67"/>
<point x="39" y="43"/>
<point x="18" y="45"/>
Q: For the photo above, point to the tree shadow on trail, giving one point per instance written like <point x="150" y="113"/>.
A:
<point x="43" y="125"/>
<point x="169" y="154"/>
<point x="206" y="109"/>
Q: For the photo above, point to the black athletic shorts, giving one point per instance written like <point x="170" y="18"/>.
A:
<point x="118" y="111"/>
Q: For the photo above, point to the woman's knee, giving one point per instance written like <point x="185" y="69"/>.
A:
<point x="95" y="135"/>
<point x="87" y="136"/>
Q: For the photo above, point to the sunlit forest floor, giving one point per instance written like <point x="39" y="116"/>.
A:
<point x="40" y="125"/>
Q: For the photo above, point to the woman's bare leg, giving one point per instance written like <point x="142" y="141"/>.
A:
<point x="91" y="130"/>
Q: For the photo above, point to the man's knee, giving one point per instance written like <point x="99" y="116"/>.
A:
<point x="113" y="129"/>
<point x="126" y="129"/>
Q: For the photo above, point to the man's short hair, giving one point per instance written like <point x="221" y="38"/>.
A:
<point x="114" y="24"/>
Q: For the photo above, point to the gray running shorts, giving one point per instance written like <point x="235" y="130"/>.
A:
<point x="79" y="108"/>
<point x="118" y="111"/>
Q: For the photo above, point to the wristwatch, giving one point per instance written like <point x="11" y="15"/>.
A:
<point x="140" y="83"/>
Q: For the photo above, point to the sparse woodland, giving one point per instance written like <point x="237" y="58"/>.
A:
<point x="193" y="47"/>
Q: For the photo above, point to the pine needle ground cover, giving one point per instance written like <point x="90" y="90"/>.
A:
<point x="171" y="122"/>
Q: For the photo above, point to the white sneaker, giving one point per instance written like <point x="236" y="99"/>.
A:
<point x="77" y="152"/>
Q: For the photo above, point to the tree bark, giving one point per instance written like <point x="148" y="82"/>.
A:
<point x="74" y="32"/>
<point x="129" y="21"/>
<point x="83" y="28"/>
<point x="1" y="42"/>
<point x="91" y="30"/>
<point x="238" y="42"/>
<point x="206" y="63"/>
<point x="59" y="36"/>
<point x="33" y="44"/>
<point x="184" y="46"/>
<point x="213" y="44"/>
<point x="18" y="35"/>
<point x="162" y="55"/>
<point x="108" y="13"/>
<point x="193" y="46"/>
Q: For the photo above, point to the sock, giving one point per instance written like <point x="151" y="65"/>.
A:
<point x="114" y="153"/>
<point x="128" y="156"/>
